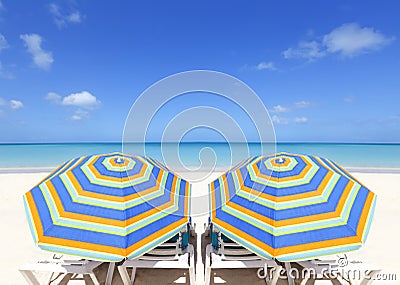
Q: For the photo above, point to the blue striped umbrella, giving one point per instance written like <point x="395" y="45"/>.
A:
<point x="292" y="207"/>
<point x="107" y="207"/>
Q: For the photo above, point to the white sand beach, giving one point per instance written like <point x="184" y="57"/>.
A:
<point x="17" y="247"/>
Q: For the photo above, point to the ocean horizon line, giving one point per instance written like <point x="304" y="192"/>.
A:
<point x="45" y="169"/>
<point x="202" y="142"/>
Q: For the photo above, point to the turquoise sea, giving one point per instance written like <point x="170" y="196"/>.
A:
<point x="51" y="155"/>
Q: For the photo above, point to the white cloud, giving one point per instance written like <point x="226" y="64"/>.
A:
<point x="74" y="17"/>
<point x="82" y="102"/>
<point x="300" y="120"/>
<point x="351" y="39"/>
<point x="279" y="120"/>
<point x="82" y="99"/>
<point x="279" y="109"/>
<point x="302" y="104"/>
<point x="285" y="121"/>
<point x="62" y="19"/>
<point x="286" y="109"/>
<point x="3" y="43"/>
<point x="33" y="42"/>
<point x="12" y="104"/>
<point x="348" y="99"/>
<point x="79" y="115"/>
<point x="5" y="74"/>
<point x="53" y="97"/>
<point x="15" y="104"/>
<point x="348" y="40"/>
<point x="266" y="66"/>
<point x="308" y="50"/>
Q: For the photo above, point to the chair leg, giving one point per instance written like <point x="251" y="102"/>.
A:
<point x="266" y="274"/>
<point x="304" y="281"/>
<point x="124" y="275"/>
<point x="336" y="282"/>
<point x="276" y="273"/>
<point x="369" y="278"/>
<point x="50" y="278"/>
<point x="29" y="277"/>
<point x="207" y="274"/>
<point x="94" y="279"/>
<point x="192" y="274"/>
<point x="133" y="275"/>
<point x="288" y="268"/>
<point x="307" y="281"/>
<point x="67" y="277"/>
<point x="110" y="273"/>
<point x="207" y="277"/>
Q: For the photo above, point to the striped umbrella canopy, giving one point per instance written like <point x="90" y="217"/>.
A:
<point x="107" y="207"/>
<point x="291" y="207"/>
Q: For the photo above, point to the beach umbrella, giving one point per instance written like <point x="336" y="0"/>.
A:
<point x="107" y="207"/>
<point x="291" y="207"/>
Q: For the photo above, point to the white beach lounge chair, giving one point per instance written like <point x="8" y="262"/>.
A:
<point x="337" y="272"/>
<point x="176" y="253"/>
<point x="223" y="253"/>
<point x="59" y="268"/>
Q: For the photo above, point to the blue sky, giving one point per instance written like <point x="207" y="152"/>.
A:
<point x="326" y="70"/>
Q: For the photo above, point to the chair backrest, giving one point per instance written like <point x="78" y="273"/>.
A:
<point x="229" y="249"/>
<point x="173" y="247"/>
<point x="214" y="237"/>
<point x="217" y="238"/>
<point x="185" y="235"/>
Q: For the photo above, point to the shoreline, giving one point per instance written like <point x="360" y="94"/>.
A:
<point x="6" y="170"/>
<point x="40" y="169"/>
